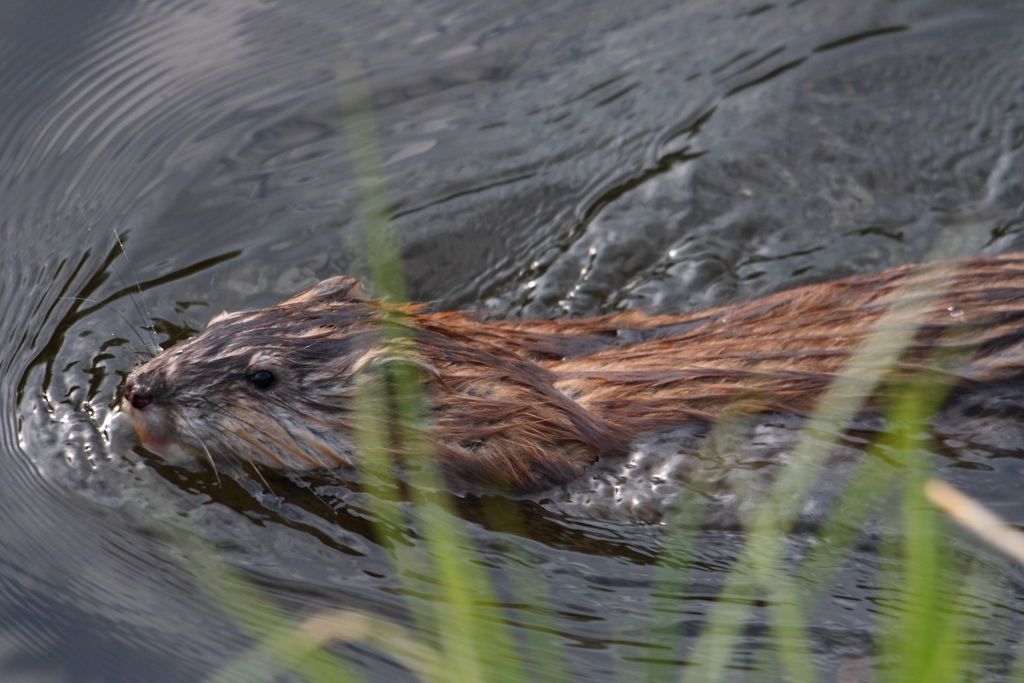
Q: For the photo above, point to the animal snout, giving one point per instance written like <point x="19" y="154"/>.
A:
<point x="138" y="396"/>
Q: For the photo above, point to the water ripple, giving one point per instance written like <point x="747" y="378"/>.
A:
<point x="562" y="158"/>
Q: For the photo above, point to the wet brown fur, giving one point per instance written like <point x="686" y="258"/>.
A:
<point x="527" y="403"/>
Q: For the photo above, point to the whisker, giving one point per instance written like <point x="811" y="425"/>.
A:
<point x="245" y="437"/>
<point x="131" y="325"/>
<point x="144" y="314"/>
<point x="309" y="487"/>
<point x="209" y="456"/>
<point x="289" y="446"/>
<point x="256" y="469"/>
<point x="254" y="431"/>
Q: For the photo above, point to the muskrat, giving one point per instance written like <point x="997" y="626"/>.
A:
<point x="525" y="404"/>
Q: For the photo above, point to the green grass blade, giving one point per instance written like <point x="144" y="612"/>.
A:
<point x="474" y="638"/>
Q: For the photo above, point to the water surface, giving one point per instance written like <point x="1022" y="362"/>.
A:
<point x="162" y="162"/>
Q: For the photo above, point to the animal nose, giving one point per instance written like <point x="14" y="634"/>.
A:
<point x="139" y="398"/>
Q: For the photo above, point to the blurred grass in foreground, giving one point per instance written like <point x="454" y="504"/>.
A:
<point x="464" y="634"/>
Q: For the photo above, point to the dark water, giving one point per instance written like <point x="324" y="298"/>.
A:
<point x="544" y="159"/>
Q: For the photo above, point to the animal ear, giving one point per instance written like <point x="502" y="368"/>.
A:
<point x="339" y="288"/>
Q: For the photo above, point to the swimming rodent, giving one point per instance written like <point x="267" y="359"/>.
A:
<point x="527" y="404"/>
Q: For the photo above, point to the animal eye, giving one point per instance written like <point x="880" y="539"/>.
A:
<point x="262" y="379"/>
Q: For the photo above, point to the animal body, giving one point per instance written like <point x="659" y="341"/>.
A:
<point x="526" y="404"/>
